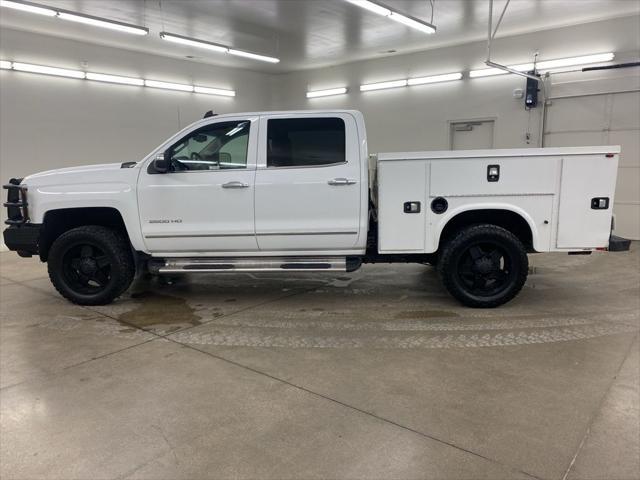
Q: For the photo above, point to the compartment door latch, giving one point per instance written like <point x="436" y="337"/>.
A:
<point x="411" y="207"/>
<point x="493" y="173"/>
<point x="600" y="203"/>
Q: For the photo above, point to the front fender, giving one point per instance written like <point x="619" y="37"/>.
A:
<point x="117" y="195"/>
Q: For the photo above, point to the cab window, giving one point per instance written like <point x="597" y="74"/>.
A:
<point x="215" y="147"/>
<point x="305" y="142"/>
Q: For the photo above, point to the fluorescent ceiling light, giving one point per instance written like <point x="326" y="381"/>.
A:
<point x="254" y="56"/>
<point x="75" y="17"/>
<point x="119" y="79"/>
<point x="412" y="81"/>
<point x="396" y="16"/>
<point x="410" y="22"/>
<point x="99" y="22"/>
<point x="546" y="65"/>
<point x="383" y="85"/>
<point x="60" y="72"/>
<point x="192" y="42"/>
<point x="170" y="37"/>
<point x="486" y="72"/>
<point x="327" y="93"/>
<point x="25" y="7"/>
<point x="490" y="72"/>
<point x="102" y="77"/>
<point x="169" y="86"/>
<point x="372" y="7"/>
<point x="215" y="91"/>
<point x="573" y="61"/>
<point x="435" y="79"/>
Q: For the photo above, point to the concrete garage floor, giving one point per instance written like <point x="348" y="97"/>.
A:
<point x="373" y="374"/>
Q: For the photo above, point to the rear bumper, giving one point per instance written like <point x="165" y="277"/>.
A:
<point x="618" y="244"/>
<point x="23" y="238"/>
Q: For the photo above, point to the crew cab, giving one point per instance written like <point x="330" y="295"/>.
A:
<point x="298" y="191"/>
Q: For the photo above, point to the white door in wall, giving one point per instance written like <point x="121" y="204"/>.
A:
<point x="471" y="134"/>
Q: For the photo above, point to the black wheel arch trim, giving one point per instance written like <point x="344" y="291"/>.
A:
<point x="510" y="220"/>
<point x="57" y="221"/>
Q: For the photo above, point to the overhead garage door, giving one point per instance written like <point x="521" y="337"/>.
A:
<point x="604" y="119"/>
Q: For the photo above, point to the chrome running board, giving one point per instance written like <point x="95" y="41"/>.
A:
<point x="254" y="264"/>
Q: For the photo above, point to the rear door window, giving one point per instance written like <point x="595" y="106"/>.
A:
<point x="305" y="142"/>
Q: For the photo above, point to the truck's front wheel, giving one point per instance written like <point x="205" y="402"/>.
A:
<point x="483" y="266"/>
<point x="91" y="265"/>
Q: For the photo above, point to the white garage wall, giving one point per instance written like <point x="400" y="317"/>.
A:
<point x="50" y="122"/>
<point x="415" y="118"/>
<point x="581" y="113"/>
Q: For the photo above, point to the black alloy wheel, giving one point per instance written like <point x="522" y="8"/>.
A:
<point x="86" y="268"/>
<point x="91" y="265"/>
<point x="485" y="269"/>
<point x="483" y="266"/>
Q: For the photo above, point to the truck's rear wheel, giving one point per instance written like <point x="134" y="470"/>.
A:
<point x="91" y="265"/>
<point x="483" y="266"/>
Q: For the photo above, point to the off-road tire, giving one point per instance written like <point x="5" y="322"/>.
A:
<point x="454" y="250"/>
<point x="114" y="248"/>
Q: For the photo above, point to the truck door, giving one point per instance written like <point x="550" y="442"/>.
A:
<point x="204" y="203"/>
<point x="308" y="183"/>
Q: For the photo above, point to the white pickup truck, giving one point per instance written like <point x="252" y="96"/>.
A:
<point x="298" y="191"/>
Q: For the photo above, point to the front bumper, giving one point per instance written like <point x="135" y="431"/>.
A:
<point x="23" y="239"/>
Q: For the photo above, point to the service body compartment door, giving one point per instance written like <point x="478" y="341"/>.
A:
<point x="583" y="221"/>
<point x="402" y="205"/>
<point x="309" y="183"/>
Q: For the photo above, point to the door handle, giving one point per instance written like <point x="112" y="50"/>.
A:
<point x="341" y="181"/>
<point x="235" y="185"/>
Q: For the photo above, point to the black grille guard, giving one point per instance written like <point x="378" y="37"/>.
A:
<point x="16" y="204"/>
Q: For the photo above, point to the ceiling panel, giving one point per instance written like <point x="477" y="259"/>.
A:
<point x="306" y="33"/>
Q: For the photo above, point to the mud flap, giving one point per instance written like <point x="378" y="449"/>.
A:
<point x="618" y="244"/>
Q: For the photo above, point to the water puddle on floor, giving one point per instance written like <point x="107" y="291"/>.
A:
<point x="154" y="309"/>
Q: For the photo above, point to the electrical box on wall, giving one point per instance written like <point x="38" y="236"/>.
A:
<point x="531" y="97"/>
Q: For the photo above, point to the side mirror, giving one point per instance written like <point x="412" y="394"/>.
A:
<point x="162" y="162"/>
